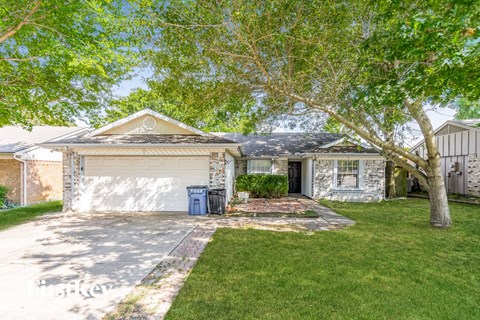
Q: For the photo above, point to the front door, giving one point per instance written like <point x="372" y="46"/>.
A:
<point x="294" y="177"/>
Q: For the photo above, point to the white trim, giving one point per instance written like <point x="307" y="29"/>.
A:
<point x="74" y="133"/>
<point x="349" y="156"/>
<point x="360" y="177"/>
<point x="41" y="144"/>
<point x="24" y="179"/>
<point x="319" y="155"/>
<point x="249" y="166"/>
<point x="334" y="143"/>
<point x="361" y="174"/>
<point x="142" y="145"/>
<point x="151" y="113"/>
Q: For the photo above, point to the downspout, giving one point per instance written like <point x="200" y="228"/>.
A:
<point x="24" y="179"/>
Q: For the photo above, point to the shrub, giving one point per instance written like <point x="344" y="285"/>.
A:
<point x="3" y="195"/>
<point x="263" y="185"/>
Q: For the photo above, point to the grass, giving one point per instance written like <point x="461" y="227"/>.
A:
<point x="13" y="217"/>
<point x="390" y="265"/>
<point x="452" y="196"/>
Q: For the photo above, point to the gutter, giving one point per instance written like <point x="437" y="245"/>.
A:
<point x="326" y="154"/>
<point x="140" y="145"/>
<point x="24" y="179"/>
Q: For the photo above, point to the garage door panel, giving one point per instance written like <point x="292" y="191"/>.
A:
<point x="140" y="183"/>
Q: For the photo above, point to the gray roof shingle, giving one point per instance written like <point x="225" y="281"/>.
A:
<point x="145" y="139"/>
<point x="14" y="139"/>
<point x="469" y="122"/>
<point x="283" y="144"/>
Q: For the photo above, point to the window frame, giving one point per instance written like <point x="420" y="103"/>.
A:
<point x="359" y="174"/>
<point x="251" y="165"/>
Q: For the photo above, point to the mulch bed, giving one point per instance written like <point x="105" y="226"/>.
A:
<point x="272" y="207"/>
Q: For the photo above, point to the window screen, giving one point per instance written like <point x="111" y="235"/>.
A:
<point x="347" y="173"/>
<point x="259" y="166"/>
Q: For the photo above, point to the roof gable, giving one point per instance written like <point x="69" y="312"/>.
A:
<point x="147" y="121"/>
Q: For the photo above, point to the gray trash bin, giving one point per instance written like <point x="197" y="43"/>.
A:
<point x="217" y="200"/>
<point x="197" y="200"/>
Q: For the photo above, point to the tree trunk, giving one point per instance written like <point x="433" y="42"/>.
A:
<point x="390" y="180"/>
<point x="439" y="210"/>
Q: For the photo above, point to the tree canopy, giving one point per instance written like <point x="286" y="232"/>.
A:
<point x="467" y="109"/>
<point x="59" y="59"/>
<point x="194" y="104"/>
<point x="370" y="66"/>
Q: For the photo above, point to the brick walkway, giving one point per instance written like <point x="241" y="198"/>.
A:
<point x="154" y="296"/>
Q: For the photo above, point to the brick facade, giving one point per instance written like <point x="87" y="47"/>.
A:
<point x="11" y="177"/>
<point x="280" y="166"/>
<point x="44" y="181"/>
<point x="371" y="190"/>
<point x="217" y="170"/>
<point x="240" y="167"/>
<point x="473" y="183"/>
<point x="70" y="186"/>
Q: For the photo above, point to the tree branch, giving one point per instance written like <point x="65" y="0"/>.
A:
<point x="19" y="59"/>
<point x="362" y="133"/>
<point x="422" y="178"/>
<point x="425" y="126"/>
<point x="12" y="31"/>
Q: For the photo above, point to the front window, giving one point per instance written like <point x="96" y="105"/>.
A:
<point x="347" y="174"/>
<point x="259" y="166"/>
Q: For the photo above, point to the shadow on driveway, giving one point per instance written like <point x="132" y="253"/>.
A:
<point x="79" y="266"/>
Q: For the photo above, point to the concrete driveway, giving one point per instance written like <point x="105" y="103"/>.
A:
<point x="79" y="266"/>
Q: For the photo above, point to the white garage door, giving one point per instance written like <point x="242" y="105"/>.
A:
<point x="140" y="183"/>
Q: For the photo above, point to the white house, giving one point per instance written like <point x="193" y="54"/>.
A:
<point x="145" y="161"/>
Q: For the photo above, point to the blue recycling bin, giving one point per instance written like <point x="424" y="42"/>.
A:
<point x="197" y="200"/>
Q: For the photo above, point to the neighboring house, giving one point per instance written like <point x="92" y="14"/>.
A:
<point x="459" y="146"/>
<point x="144" y="162"/>
<point x="32" y="173"/>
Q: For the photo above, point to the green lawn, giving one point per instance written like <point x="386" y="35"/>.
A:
<point x="13" y="217"/>
<point x="390" y="265"/>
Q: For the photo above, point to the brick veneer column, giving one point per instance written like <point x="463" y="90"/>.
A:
<point x="217" y="170"/>
<point x="68" y="182"/>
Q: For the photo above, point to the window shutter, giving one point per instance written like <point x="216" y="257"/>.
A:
<point x="361" y="174"/>
<point x="249" y="166"/>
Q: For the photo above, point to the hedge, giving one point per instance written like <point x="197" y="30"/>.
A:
<point x="263" y="185"/>
<point x="3" y="195"/>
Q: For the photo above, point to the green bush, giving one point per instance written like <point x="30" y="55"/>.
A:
<point x="263" y="185"/>
<point x="3" y="195"/>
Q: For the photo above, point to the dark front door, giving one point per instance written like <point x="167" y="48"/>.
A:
<point x="294" y="177"/>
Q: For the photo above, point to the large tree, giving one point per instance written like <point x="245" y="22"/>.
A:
<point x="190" y="103"/>
<point x="467" y="109"/>
<point x="368" y="65"/>
<point x="59" y="59"/>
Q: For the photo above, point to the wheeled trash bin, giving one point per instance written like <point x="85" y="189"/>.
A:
<point x="197" y="200"/>
<point x="217" y="200"/>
